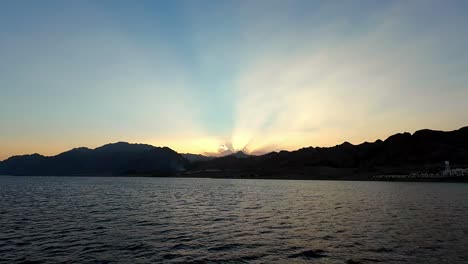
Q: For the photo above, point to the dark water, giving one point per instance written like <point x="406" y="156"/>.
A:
<point x="148" y="220"/>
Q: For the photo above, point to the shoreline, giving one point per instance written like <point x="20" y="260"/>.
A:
<point x="295" y="178"/>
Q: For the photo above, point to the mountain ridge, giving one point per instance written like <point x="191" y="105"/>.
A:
<point x="401" y="153"/>
<point x="120" y="158"/>
<point x="404" y="152"/>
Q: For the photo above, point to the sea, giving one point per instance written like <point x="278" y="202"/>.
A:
<point x="189" y="220"/>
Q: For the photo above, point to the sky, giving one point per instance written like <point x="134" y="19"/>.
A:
<point x="206" y="76"/>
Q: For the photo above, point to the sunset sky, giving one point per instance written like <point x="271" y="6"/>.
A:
<point x="203" y="76"/>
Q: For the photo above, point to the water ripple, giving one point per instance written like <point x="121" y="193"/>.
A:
<point x="154" y="220"/>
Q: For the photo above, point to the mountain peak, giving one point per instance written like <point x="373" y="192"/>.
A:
<point x="125" y="147"/>
<point x="240" y="154"/>
<point x="119" y="158"/>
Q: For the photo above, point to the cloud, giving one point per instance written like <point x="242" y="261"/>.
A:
<point x="355" y="87"/>
<point x="253" y="76"/>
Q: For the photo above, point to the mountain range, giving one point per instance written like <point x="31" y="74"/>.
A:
<point x="401" y="153"/>
<point x="112" y="159"/>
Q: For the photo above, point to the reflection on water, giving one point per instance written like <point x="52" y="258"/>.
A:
<point x="146" y="220"/>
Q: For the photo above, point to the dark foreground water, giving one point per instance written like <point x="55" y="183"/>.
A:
<point x="148" y="220"/>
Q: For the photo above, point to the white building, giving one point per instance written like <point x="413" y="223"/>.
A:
<point x="453" y="172"/>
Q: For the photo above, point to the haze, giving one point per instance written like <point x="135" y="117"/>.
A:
<point x="206" y="76"/>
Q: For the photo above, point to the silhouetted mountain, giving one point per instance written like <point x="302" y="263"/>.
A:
<point x="112" y="159"/>
<point x="400" y="153"/>
<point x="196" y="157"/>
<point x="240" y="155"/>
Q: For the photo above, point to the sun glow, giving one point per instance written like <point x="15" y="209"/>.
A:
<point x="190" y="144"/>
<point x="270" y="77"/>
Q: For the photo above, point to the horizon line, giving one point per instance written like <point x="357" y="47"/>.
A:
<point x="212" y="154"/>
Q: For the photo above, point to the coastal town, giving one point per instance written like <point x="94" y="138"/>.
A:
<point x="446" y="173"/>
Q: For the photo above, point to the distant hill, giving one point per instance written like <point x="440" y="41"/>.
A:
<point x="196" y="157"/>
<point x="400" y="153"/>
<point x="240" y="155"/>
<point x="112" y="159"/>
<point x="425" y="150"/>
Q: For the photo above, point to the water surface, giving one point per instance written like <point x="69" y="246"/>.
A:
<point x="147" y="220"/>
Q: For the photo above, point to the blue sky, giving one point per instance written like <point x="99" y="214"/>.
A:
<point x="252" y="75"/>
